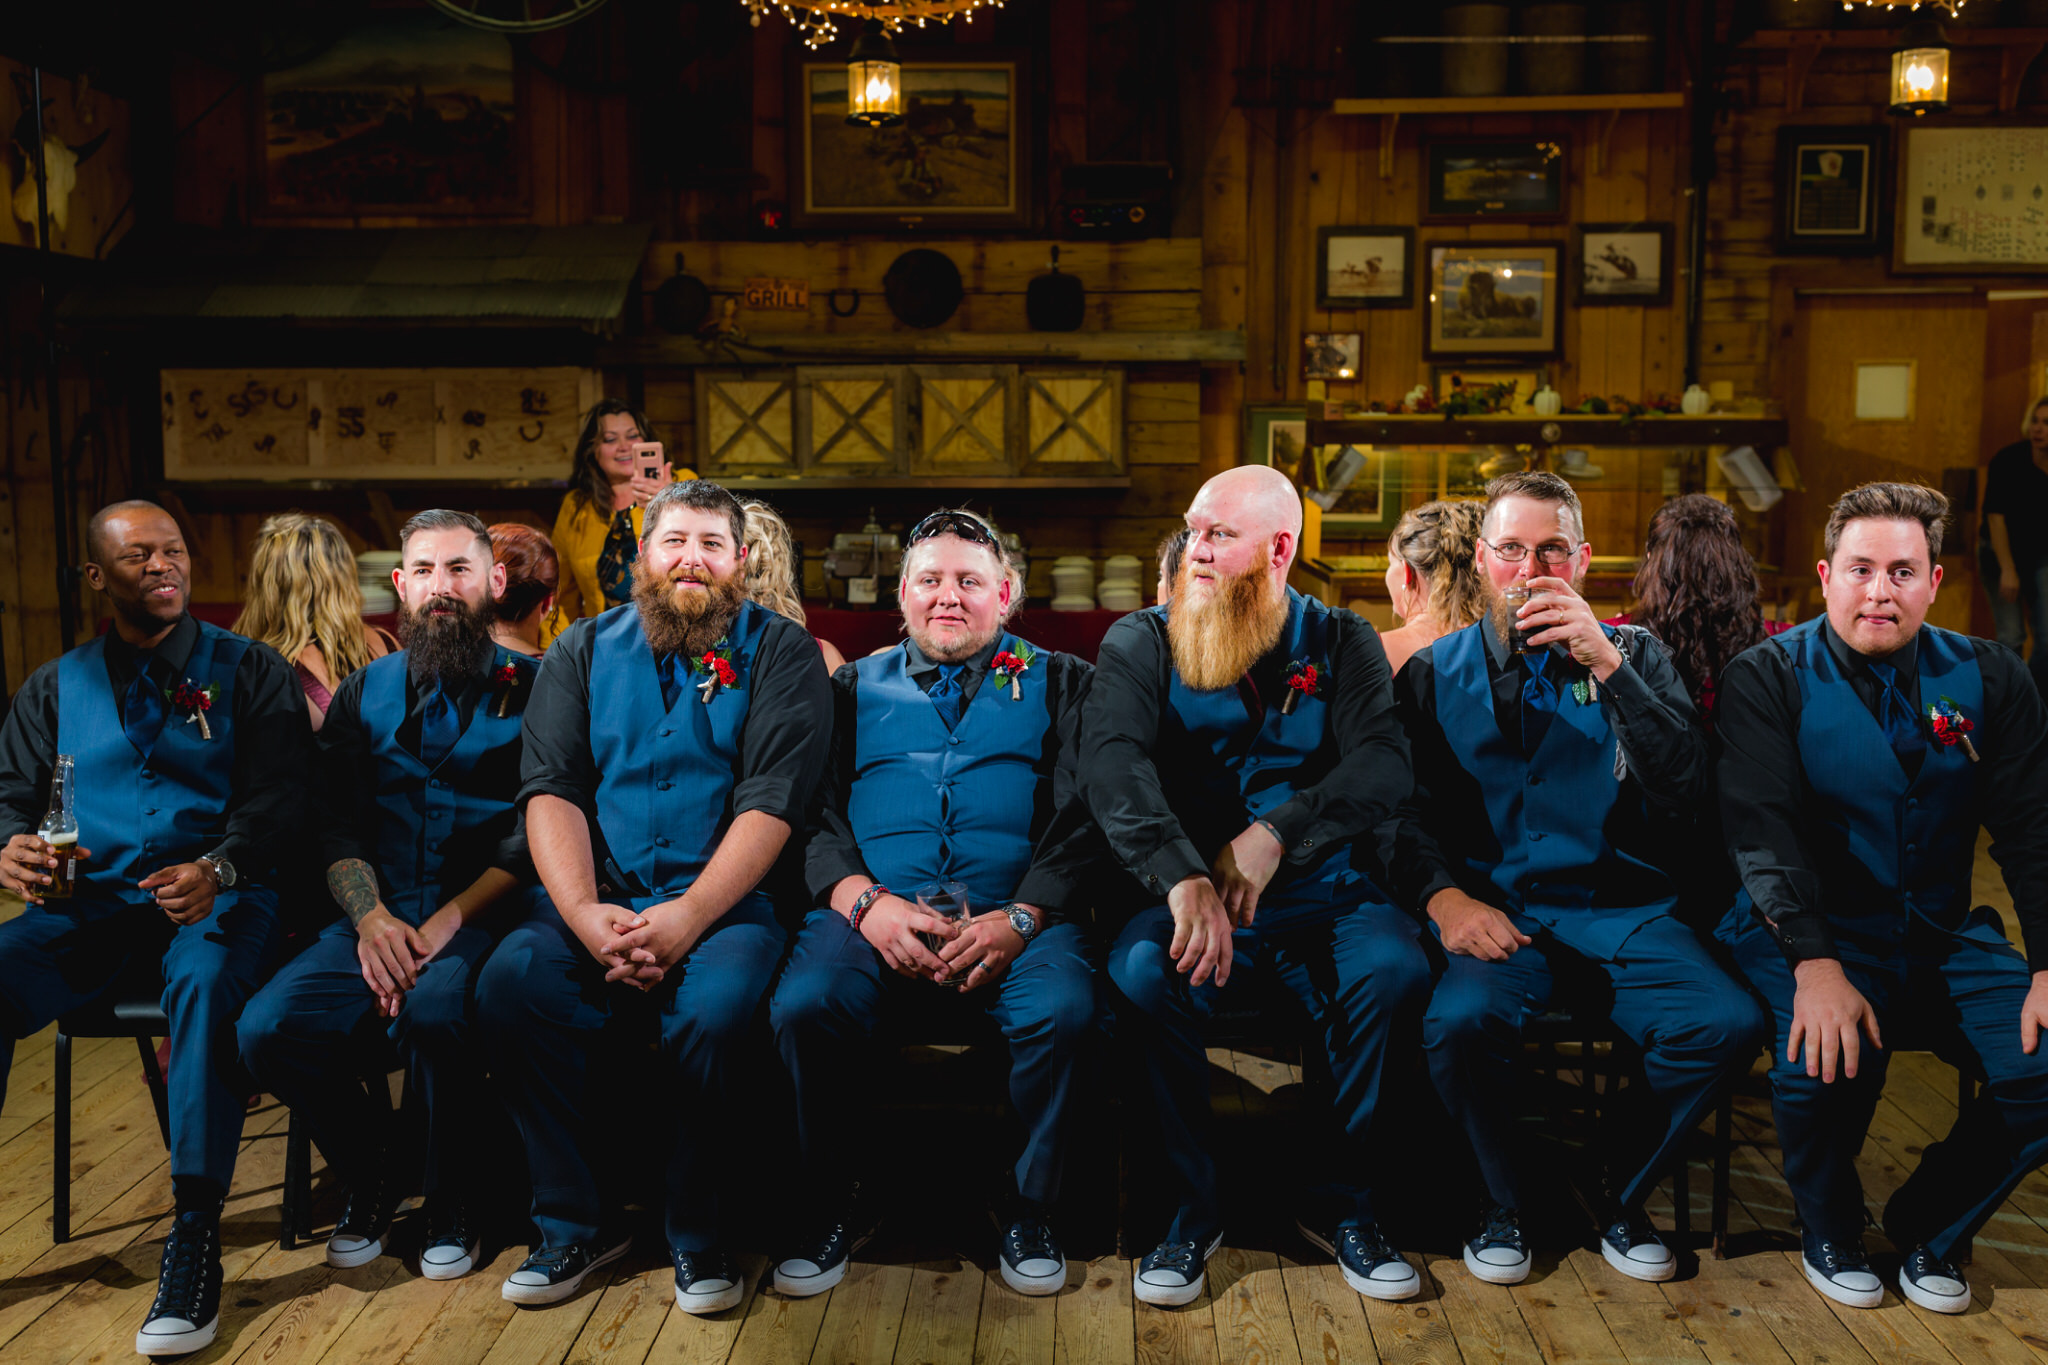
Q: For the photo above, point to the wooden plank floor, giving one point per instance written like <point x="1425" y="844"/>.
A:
<point x="1277" y="1302"/>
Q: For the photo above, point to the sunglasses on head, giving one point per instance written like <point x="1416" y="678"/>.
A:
<point x="951" y="524"/>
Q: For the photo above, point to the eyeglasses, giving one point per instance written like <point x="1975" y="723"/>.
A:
<point x="951" y="524"/>
<point x="1514" y="552"/>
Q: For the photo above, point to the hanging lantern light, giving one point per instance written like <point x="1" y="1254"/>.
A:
<point x="1920" y="69"/>
<point x="874" y="80"/>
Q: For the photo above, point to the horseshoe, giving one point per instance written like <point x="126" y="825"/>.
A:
<point x="832" y="302"/>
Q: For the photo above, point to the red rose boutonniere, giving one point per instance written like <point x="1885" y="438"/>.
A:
<point x="1010" y="667"/>
<point x="1304" y="679"/>
<point x="193" y="703"/>
<point x="1951" y="727"/>
<point x="505" y="678"/>
<point x="716" y="666"/>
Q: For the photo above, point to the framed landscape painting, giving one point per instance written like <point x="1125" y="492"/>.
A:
<point x="1622" y="264"/>
<point x="1493" y="299"/>
<point x="1365" y="267"/>
<point x="1508" y="179"/>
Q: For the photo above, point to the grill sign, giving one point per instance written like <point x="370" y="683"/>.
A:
<point x="792" y="296"/>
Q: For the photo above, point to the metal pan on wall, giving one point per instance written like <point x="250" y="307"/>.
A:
<point x="923" y="288"/>
<point x="1055" y="302"/>
<point x="682" y="302"/>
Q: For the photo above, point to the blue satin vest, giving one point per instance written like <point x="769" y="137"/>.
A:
<point x="438" y="830"/>
<point x="1884" y="848"/>
<point x="145" y="807"/>
<point x="1560" y="852"/>
<point x="665" y="797"/>
<point x="927" y="804"/>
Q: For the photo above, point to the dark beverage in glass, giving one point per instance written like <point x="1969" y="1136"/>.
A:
<point x="1515" y="595"/>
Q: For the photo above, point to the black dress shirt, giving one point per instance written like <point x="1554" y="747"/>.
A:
<point x="781" y="748"/>
<point x="266" y="800"/>
<point x="1069" y="855"/>
<point x="1767" y="805"/>
<point x="347" y="800"/>
<point x="1164" y="837"/>
<point x="1645" y="702"/>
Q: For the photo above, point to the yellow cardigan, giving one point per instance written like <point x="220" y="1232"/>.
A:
<point x="579" y="540"/>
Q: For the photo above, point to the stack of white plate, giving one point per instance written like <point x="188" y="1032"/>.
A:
<point x="1073" y="583"/>
<point x="373" y="575"/>
<point x="1121" y="589"/>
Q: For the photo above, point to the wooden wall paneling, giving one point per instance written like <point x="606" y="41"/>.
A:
<point x="1225" y="207"/>
<point x="671" y="408"/>
<point x="746" y="422"/>
<point x="771" y="111"/>
<point x="962" y="419"/>
<point x="1073" y="422"/>
<point x="850" y="419"/>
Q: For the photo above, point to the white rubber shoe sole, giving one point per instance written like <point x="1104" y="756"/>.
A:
<point x="536" y="1294"/>
<point x="1931" y="1301"/>
<point x="175" y="1343"/>
<point x="714" y="1302"/>
<point x="1489" y="1273"/>
<point x="1176" y="1296"/>
<point x="1854" y="1298"/>
<point x="1387" y="1291"/>
<point x="1651" y="1271"/>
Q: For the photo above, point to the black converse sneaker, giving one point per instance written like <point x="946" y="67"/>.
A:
<point x="554" y="1273"/>
<point x="1368" y="1261"/>
<point x="186" y="1313"/>
<point x="358" y="1236"/>
<point x="819" y="1263"/>
<point x="1497" y="1254"/>
<point x="1032" y="1261"/>
<point x="1633" y="1247"/>
<point x="451" y="1246"/>
<point x="707" y="1282"/>
<point x="1841" y="1270"/>
<point x="1933" y="1283"/>
<point x="1173" y="1273"/>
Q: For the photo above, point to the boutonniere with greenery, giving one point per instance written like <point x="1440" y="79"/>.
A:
<point x="193" y="703"/>
<point x="1304" y="679"/>
<point x="715" y="664"/>
<point x="1951" y="727"/>
<point x="1585" y="692"/>
<point x="505" y="678"/>
<point x="1011" y="666"/>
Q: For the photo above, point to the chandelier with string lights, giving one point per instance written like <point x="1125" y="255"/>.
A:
<point x="1952" y="6"/>
<point x="817" y="21"/>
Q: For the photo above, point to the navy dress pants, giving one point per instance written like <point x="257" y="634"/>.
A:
<point x="312" y="1037"/>
<point x="1666" y="994"/>
<point x="542" y="1010"/>
<point x="53" y="961"/>
<point x="1957" y="995"/>
<point x="836" y="991"/>
<point x="1357" y="966"/>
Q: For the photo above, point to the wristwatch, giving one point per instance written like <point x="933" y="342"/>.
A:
<point x="223" y="871"/>
<point x="1022" y="920"/>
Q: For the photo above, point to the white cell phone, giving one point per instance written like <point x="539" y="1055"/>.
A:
<point x="650" y="457"/>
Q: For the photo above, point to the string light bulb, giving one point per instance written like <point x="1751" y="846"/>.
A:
<point x="817" y="22"/>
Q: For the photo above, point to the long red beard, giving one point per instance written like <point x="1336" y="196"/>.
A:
<point x="1216" y="642"/>
<point x="684" y="623"/>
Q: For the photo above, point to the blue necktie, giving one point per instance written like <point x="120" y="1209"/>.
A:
<point x="143" y="709"/>
<point x="1539" y="701"/>
<point x="675" y="676"/>
<point x="946" y="694"/>
<point x="1895" y="714"/>
<point x="440" y="727"/>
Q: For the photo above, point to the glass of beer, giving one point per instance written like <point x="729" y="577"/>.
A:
<point x="1516" y="595"/>
<point x="60" y="831"/>
<point x="944" y="900"/>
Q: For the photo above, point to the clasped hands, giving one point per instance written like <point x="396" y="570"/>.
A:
<point x="1208" y="909"/>
<point x="392" y="952"/>
<point x="974" y="952"/>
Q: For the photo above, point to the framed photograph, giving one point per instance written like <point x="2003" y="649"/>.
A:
<point x="1623" y="264"/>
<point x="1358" y="488"/>
<point x="1829" y="199"/>
<point x="1275" y="434"/>
<point x="1365" y="267"/>
<point x="1331" y="355"/>
<point x="1971" y="199"/>
<point x="1522" y="178"/>
<point x="1493" y="299"/>
<point x="409" y="113"/>
<point x="959" y="159"/>
<point x="1448" y="379"/>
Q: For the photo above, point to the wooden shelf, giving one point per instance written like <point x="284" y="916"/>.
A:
<point x="1389" y="430"/>
<point x="2018" y="47"/>
<point x="1512" y="104"/>
<point x="787" y="348"/>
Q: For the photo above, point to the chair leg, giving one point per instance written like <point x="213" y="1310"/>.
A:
<point x="1724" y="1160"/>
<point x="60" y="1156"/>
<point x="293" y="1213"/>
<point x="158" y="1094"/>
<point x="1681" y="1200"/>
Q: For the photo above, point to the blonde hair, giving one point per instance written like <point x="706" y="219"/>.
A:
<point x="302" y="591"/>
<point x="2027" y="418"/>
<point x="1439" y="540"/>
<point x="771" y="562"/>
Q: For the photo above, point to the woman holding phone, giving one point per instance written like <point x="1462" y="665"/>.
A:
<point x="619" y="466"/>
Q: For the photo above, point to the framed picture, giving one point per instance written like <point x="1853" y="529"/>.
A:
<point x="1492" y="299"/>
<point x="409" y="113"/>
<point x="1829" y="200"/>
<point x="1623" y="264"/>
<point x="1358" y="488"/>
<point x="959" y="159"/>
<point x="1971" y="199"/>
<point x="1275" y="434"/>
<point x="1365" y="267"/>
<point x="1522" y="178"/>
<point x="1331" y="355"/>
<point x="1448" y="379"/>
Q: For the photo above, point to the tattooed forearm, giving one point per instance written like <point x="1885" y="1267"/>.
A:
<point x="354" y="885"/>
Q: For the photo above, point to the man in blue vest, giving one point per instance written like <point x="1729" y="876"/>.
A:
<point x="671" y="747"/>
<point x="1234" y="746"/>
<point x="419" y="762"/>
<point x="1556" y="760"/>
<point x="1861" y="752"/>
<point x="189" y="746"/>
<point x="953" y="760"/>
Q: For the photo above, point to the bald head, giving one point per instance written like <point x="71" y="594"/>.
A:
<point x="1244" y="520"/>
<point x="1257" y="499"/>
<point x="97" y="546"/>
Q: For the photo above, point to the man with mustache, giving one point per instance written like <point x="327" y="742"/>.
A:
<point x="671" y="747"/>
<point x="1861" y="752"/>
<point x="190" y="747"/>
<point x="1550" y="780"/>
<point x="418" y="765"/>
<point x="953" y="759"/>
<point x="1235" y="743"/>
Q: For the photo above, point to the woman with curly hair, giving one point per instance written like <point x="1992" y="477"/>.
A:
<point x="1431" y="576"/>
<point x="304" y="603"/>
<point x="772" y="571"/>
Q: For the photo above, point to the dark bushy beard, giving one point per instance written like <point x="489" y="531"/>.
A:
<point x="1216" y="642"/>
<point x="444" y="641"/>
<point x="686" y="623"/>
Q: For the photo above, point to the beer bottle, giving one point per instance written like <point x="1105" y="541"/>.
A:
<point x="60" y="831"/>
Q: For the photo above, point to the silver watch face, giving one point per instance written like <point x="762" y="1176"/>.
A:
<point x="226" y="870"/>
<point x="1022" y="922"/>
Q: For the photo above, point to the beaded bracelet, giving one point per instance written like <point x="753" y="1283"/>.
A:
<point x="862" y="905"/>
